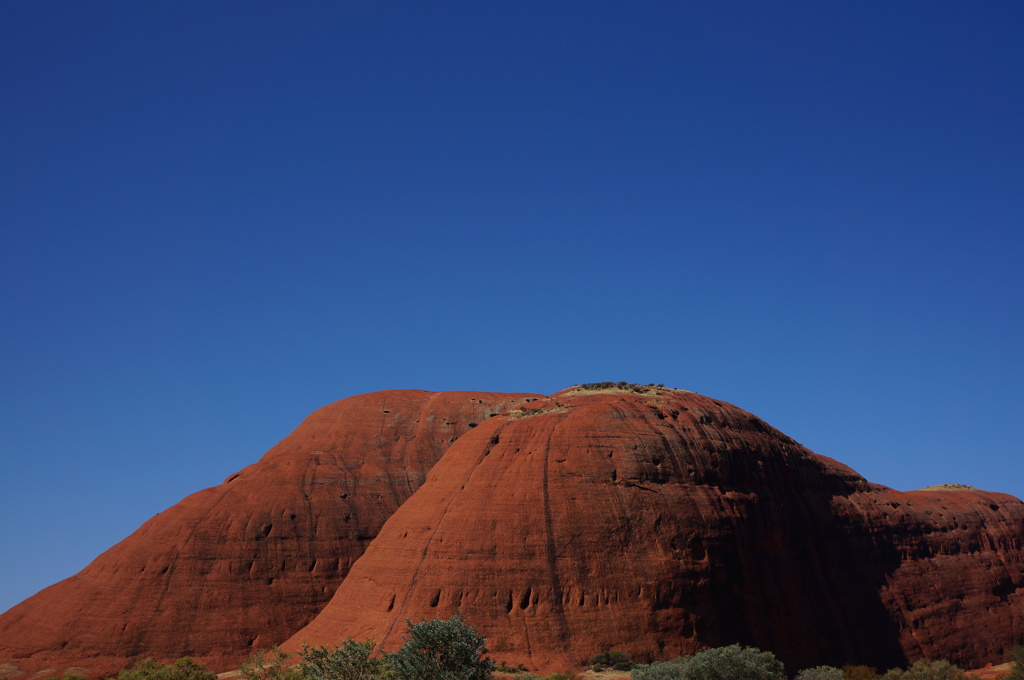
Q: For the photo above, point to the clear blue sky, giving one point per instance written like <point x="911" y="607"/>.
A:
<point x="217" y="217"/>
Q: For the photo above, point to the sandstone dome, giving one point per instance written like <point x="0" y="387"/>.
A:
<point x="651" y="520"/>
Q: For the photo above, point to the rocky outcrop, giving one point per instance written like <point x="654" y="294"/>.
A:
<point x="665" y="521"/>
<point x="243" y="565"/>
<point x="649" y="520"/>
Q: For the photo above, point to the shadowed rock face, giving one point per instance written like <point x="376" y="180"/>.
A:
<point x="242" y="566"/>
<point x="661" y="523"/>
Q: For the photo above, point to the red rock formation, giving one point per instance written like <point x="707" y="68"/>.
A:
<point x="655" y="523"/>
<point x="660" y="523"/>
<point x="245" y="564"/>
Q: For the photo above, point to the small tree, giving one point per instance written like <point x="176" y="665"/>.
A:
<point x="351" y="661"/>
<point x="442" y="650"/>
<point x="734" y="663"/>
<point x="820" y="673"/>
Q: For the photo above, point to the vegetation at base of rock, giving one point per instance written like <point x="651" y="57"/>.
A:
<point x="860" y="673"/>
<point x="351" y="661"/>
<point x="611" y="658"/>
<point x="1017" y="669"/>
<point x="660" y="670"/>
<point x="271" y="665"/>
<point x="441" y="650"/>
<point x="820" y="673"/>
<point x="453" y="650"/>
<point x="733" y="663"/>
<point x="184" y="668"/>
<point x="503" y="667"/>
<point x="926" y="670"/>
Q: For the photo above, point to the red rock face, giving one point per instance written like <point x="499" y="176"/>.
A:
<point x="244" y="565"/>
<point x="656" y="524"/>
<point x="659" y="524"/>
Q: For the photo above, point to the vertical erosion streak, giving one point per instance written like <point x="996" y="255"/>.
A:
<point x="551" y="554"/>
<point x="400" y="609"/>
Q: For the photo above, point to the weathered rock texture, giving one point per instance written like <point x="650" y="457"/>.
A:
<point x="243" y="565"/>
<point x="663" y="522"/>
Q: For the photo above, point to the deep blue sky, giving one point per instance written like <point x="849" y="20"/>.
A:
<point x="217" y="217"/>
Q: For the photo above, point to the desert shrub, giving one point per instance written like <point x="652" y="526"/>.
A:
<point x="661" y="670"/>
<point x="351" y="661"/>
<point x="926" y="670"/>
<point x="270" y="665"/>
<point x="1017" y="669"/>
<point x="610" y="657"/>
<point x="442" y="650"/>
<point x="933" y="670"/>
<point x="504" y="667"/>
<point x="184" y="668"/>
<point x="567" y="675"/>
<point x="860" y="673"/>
<point x="733" y="663"/>
<point x="820" y="673"/>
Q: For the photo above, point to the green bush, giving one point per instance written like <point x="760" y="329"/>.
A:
<point x="182" y="669"/>
<point x="661" y="670"/>
<point x="610" y="657"/>
<point x="271" y="665"/>
<point x="820" y="673"/>
<point x="860" y="673"/>
<point x="351" y="661"/>
<point x="926" y="670"/>
<point x="1017" y="669"/>
<point x="442" y="650"/>
<point x="733" y="663"/>
<point x="504" y="667"/>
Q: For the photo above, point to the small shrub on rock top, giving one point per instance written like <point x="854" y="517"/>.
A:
<point x="733" y="663"/>
<point x="820" y="673"/>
